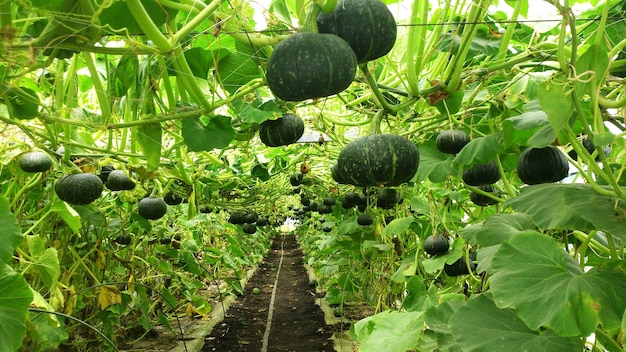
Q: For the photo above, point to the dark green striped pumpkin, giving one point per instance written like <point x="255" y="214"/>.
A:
<point x="310" y="65"/>
<point x="379" y="159"/>
<point x="542" y="165"/>
<point x="367" y="25"/>
<point x="283" y="131"/>
<point x="79" y="188"/>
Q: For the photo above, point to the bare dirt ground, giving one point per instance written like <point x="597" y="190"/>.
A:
<point x="298" y="324"/>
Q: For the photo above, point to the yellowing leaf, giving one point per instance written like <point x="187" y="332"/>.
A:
<point x="109" y="295"/>
<point x="100" y="259"/>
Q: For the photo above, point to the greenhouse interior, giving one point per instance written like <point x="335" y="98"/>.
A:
<point x="313" y="175"/>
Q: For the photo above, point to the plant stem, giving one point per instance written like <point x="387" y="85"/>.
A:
<point x="103" y="101"/>
<point x="147" y="25"/>
<point x="195" y="21"/>
<point x="413" y="55"/>
<point x="510" y="29"/>
<point x="378" y="97"/>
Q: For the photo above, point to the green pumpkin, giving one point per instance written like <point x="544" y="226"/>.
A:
<point x="367" y="25"/>
<point x="283" y="131"/>
<point x="379" y="159"/>
<point x="79" y="189"/>
<point x="542" y="165"/>
<point x="482" y="174"/>
<point x="117" y="180"/>
<point x="310" y="65"/>
<point x="35" y="162"/>
<point x="451" y="141"/>
<point x="152" y="208"/>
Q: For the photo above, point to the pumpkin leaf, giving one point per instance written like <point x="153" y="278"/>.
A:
<point x="125" y="75"/>
<point x="559" y="110"/>
<point x="47" y="265"/>
<point x="397" y="226"/>
<point x="15" y="298"/>
<point x="22" y="103"/>
<point x="578" y="301"/>
<point x="149" y="138"/>
<point x="240" y="67"/>
<point x="593" y="64"/>
<point x="480" y="150"/>
<point x="67" y="213"/>
<point x="117" y="16"/>
<point x="434" y="165"/>
<point x="216" y="134"/>
<point x="496" y="229"/>
<point x="480" y="325"/>
<point x="389" y="331"/>
<point x="579" y="205"/>
<point x="529" y="129"/>
<point x="11" y="232"/>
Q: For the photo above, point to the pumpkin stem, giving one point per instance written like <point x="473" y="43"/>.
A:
<point x="376" y="121"/>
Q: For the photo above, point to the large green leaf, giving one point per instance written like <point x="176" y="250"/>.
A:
<point x="530" y="129"/>
<point x="117" y="16"/>
<point x="571" y="206"/>
<point x="556" y="101"/>
<point x="125" y="75"/>
<point x="217" y="133"/>
<point x="11" y="233"/>
<point x="434" y="165"/>
<point x="480" y="150"/>
<point x="149" y="138"/>
<point x="15" y="298"/>
<point x="48" y="267"/>
<point x="496" y="229"/>
<point x="67" y="213"/>
<point x="547" y="289"/>
<point x="22" y="103"/>
<point x="437" y="319"/>
<point x="592" y="65"/>
<point x="480" y="326"/>
<point x="240" y="67"/>
<point x="389" y="331"/>
<point x="397" y="226"/>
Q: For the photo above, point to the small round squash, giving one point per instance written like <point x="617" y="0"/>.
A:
<point x="542" y="165"/>
<point x="451" y="141"/>
<point x="283" y="131"/>
<point x="152" y="208"/>
<point x="387" y="198"/>
<point x="482" y="174"/>
<point x="118" y="181"/>
<point x="436" y="244"/>
<point x="482" y="200"/>
<point x="365" y="220"/>
<point x="367" y="25"/>
<point x="309" y="66"/>
<point x="249" y="228"/>
<point x="79" y="189"/>
<point x="379" y="159"/>
<point x="35" y="162"/>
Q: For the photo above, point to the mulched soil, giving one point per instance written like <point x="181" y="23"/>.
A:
<point x="298" y="324"/>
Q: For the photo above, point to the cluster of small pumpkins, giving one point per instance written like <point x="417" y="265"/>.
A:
<point x="84" y="188"/>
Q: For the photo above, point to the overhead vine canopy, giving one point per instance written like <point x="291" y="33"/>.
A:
<point x="132" y="131"/>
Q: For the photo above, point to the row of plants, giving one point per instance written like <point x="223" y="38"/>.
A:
<point x="80" y="275"/>
<point x="443" y="215"/>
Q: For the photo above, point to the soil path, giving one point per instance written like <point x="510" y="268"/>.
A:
<point x="297" y="323"/>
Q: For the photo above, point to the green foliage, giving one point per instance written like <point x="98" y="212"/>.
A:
<point x="531" y="262"/>
<point x="217" y="133"/>
<point x="15" y="297"/>
<point x="480" y="317"/>
<point x="174" y="94"/>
